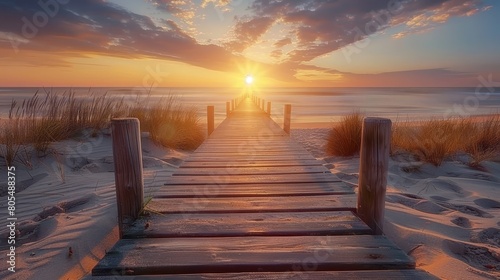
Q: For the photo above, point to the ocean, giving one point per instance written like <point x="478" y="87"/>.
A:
<point x="309" y="105"/>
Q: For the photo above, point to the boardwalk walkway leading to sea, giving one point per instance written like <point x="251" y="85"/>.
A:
<point x="250" y="203"/>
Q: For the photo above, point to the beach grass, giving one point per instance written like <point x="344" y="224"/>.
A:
<point x="432" y="141"/>
<point x="169" y="123"/>
<point x="344" y="138"/>
<point x="48" y="117"/>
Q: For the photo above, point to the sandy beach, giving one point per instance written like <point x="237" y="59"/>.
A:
<point x="445" y="217"/>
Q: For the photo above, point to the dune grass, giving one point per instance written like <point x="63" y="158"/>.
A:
<point x="169" y="123"/>
<point x="431" y="141"/>
<point x="345" y="137"/>
<point x="50" y="117"/>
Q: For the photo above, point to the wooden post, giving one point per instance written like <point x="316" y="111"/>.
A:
<point x="288" y="118"/>
<point x="263" y="102"/>
<point x="269" y="108"/>
<point x="228" y="109"/>
<point x="210" y="119"/>
<point x="127" y="157"/>
<point x="373" y="165"/>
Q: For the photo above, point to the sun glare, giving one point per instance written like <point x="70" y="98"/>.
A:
<point x="249" y="80"/>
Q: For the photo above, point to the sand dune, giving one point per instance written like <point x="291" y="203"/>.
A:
<point x="445" y="217"/>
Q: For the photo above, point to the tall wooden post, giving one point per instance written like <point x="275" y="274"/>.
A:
<point x="127" y="157"/>
<point x="269" y="108"/>
<point x="210" y="119"/>
<point x="373" y="166"/>
<point x="228" y="108"/>
<point x="288" y="118"/>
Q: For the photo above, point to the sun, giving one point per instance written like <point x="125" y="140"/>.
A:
<point x="249" y="79"/>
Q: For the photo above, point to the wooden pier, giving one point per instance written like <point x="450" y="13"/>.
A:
<point x="250" y="203"/>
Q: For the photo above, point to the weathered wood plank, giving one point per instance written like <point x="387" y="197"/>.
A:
<point x="254" y="163"/>
<point x="256" y="157"/>
<point x="253" y="190"/>
<point x="248" y="224"/>
<point x="252" y="204"/>
<point x="244" y="179"/>
<point x="252" y="170"/>
<point x="251" y="254"/>
<point x="404" y="274"/>
<point x="249" y="151"/>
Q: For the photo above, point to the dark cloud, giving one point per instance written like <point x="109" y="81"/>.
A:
<point x="99" y="27"/>
<point x="323" y="26"/>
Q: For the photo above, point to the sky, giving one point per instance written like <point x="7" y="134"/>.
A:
<point x="217" y="43"/>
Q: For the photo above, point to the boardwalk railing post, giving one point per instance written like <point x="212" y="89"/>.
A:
<point x="210" y="119"/>
<point x="269" y="108"/>
<point x="127" y="157"/>
<point x="288" y="118"/>
<point x="228" y="109"/>
<point x="263" y="104"/>
<point x="373" y="166"/>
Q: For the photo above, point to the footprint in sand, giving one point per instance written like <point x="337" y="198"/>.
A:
<point x="416" y="202"/>
<point x="478" y="257"/>
<point x="487" y="203"/>
<point x="462" y="222"/>
<point x="466" y="209"/>
<point x="487" y="236"/>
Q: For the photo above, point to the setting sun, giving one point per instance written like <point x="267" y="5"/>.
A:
<point x="249" y="79"/>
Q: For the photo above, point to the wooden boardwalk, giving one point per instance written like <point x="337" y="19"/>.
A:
<point x="252" y="204"/>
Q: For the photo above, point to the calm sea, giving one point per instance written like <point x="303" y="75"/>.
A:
<point x="310" y="105"/>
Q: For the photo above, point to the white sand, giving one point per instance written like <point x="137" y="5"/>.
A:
<point x="447" y="218"/>
<point x="69" y="202"/>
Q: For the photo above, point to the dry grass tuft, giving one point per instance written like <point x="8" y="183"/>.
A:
<point x="39" y="121"/>
<point x="431" y="141"/>
<point x="435" y="140"/>
<point x="169" y="123"/>
<point x="345" y="136"/>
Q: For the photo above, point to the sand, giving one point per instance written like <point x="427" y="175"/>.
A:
<point x="446" y="217"/>
<point x="66" y="206"/>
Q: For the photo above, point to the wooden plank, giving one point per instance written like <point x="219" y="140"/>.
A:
<point x="244" y="179"/>
<point x="403" y="274"/>
<point x="254" y="163"/>
<point x="251" y="170"/>
<point x="194" y="157"/>
<point x="253" y="190"/>
<point x="251" y="254"/>
<point x="252" y="204"/>
<point x="249" y="154"/>
<point x="248" y="224"/>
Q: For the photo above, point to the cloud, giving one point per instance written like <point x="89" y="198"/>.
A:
<point x="185" y="10"/>
<point x="321" y="26"/>
<point x="101" y="28"/>
<point x="247" y="32"/>
<point x="283" y="42"/>
<point x="313" y="27"/>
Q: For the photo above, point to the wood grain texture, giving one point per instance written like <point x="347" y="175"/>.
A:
<point x="253" y="190"/>
<point x="373" y="167"/>
<point x="252" y="204"/>
<point x="248" y="224"/>
<point x="252" y="254"/>
<point x="404" y="274"/>
<point x="127" y="157"/>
